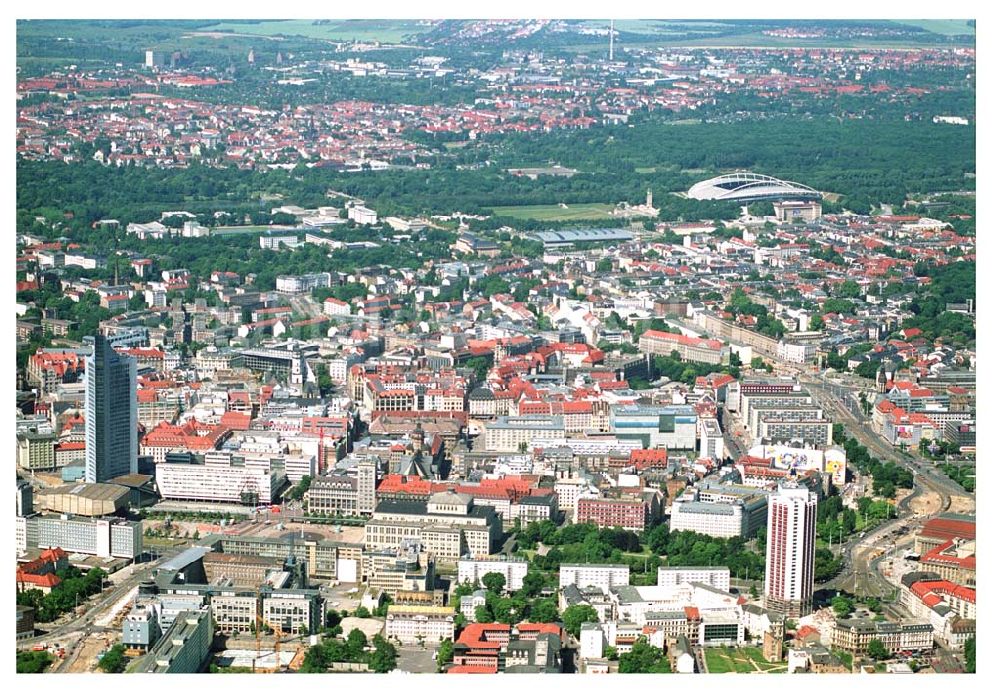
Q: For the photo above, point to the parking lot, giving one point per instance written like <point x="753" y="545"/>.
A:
<point x="414" y="659"/>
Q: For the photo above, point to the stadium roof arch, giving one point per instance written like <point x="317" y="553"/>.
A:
<point x="750" y="187"/>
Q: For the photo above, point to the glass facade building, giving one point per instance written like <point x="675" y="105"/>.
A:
<point x="111" y="413"/>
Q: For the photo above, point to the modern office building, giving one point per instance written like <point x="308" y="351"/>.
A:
<point x="293" y="610"/>
<point x="111" y="413"/>
<point x="286" y="361"/>
<point x="671" y="427"/>
<point x="25" y="499"/>
<point x="184" y="648"/>
<point x="234" y="611"/>
<point x="720" y="520"/>
<point x="219" y="482"/>
<point x="302" y="284"/>
<point x="601" y="576"/>
<point x="25" y="617"/>
<point x="141" y="627"/>
<point x="716" y="577"/>
<point x="36" y="451"/>
<point x="367" y="480"/>
<point x="791" y="551"/>
<point x="323" y="559"/>
<point x="101" y="537"/>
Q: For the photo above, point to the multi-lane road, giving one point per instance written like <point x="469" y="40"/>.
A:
<point x="861" y="573"/>
<point x="85" y="623"/>
<point x="841" y="404"/>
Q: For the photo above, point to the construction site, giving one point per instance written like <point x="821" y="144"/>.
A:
<point x="268" y="651"/>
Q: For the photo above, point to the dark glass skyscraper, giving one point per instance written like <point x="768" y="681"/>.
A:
<point x="111" y="413"/>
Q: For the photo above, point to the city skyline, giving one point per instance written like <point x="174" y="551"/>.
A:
<point x="496" y="346"/>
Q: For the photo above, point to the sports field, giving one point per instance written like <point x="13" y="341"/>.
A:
<point x="555" y="212"/>
<point x="745" y="660"/>
<point x="240" y="230"/>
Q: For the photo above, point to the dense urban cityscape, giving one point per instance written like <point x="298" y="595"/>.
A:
<point x="497" y="346"/>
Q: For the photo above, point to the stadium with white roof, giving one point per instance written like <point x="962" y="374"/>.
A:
<point x="750" y="187"/>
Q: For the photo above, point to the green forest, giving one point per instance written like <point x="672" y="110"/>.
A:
<point x="867" y="162"/>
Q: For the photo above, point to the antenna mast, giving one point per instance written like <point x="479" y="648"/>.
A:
<point x="611" y="42"/>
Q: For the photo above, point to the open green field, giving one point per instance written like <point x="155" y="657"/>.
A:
<point x="383" y="30"/>
<point x="945" y="27"/>
<point x="554" y="212"/>
<point x="666" y="28"/>
<point x="757" y="40"/>
<point x="745" y="660"/>
<point x="240" y="230"/>
<point x="159" y="542"/>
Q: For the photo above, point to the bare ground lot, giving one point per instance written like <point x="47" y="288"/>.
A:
<point x="960" y="503"/>
<point x="86" y="659"/>
<point x="926" y="504"/>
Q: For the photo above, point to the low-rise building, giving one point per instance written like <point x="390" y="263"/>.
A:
<point x="716" y="577"/>
<point x="516" y="433"/>
<point x="415" y="624"/>
<point x="601" y="576"/>
<point x="692" y="349"/>
<point x="513" y="570"/>
<point x="614" y="512"/>
<point x="855" y="635"/>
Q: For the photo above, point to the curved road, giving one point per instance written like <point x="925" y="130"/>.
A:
<point x="104" y="600"/>
<point x="831" y="397"/>
<point x="861" y="573"/>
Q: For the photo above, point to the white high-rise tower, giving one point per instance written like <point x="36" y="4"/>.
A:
<point x="611" y="42"/>
<point x="791" y="551"/>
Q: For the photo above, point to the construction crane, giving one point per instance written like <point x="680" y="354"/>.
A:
<point x="258" y="624"/>
<point x="278" y="634"/>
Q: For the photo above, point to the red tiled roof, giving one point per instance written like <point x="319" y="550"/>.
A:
<point x="925" y="588"/>
<point x="474" y="634"/>
<point x="937" y="556"/>
<point x="235" y="420"/>
<point x="47" y="581"/>
<point x="685" y="340"/>
<point x="949" y="528"/>
<point x="540" y="627"/>
<point x="465" y="670"/>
